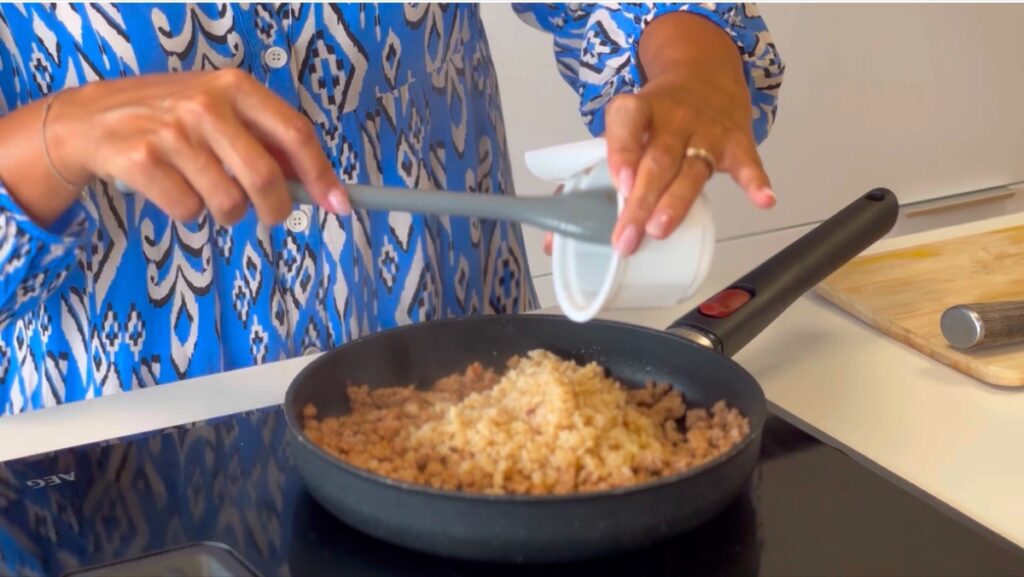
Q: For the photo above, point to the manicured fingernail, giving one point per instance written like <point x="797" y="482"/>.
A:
<point x="339" y="202"/>
<point x="658" y="225"/>
<point x="628" y="241"/>
<point x="625" y="181"/>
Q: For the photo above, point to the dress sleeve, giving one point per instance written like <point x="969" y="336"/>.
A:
<point x="596" y="50"/>
<point x="35" y="261"/>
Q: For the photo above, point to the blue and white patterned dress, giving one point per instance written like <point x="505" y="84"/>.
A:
<point x="115" y="296"/>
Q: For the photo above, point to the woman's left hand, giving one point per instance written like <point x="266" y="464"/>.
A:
<point x="692" y="117"/>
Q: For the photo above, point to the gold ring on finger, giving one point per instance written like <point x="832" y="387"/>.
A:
<point x="702" y="154"/>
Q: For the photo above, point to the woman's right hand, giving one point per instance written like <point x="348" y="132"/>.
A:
<point x="191" y="141"/>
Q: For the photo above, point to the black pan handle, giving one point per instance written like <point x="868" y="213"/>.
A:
<point x="733" y="317"/>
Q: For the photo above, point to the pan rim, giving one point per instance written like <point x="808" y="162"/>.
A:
<point x="297" y="433"/>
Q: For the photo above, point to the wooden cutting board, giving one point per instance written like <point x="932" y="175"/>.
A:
<point x="903" y="293"/>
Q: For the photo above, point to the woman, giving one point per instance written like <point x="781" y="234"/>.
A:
<point x="205" y="110"/>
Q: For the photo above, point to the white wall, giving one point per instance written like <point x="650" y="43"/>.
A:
<point x="925" y="99"/>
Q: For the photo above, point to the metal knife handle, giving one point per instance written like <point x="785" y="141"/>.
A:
<point x="975" y="325"/>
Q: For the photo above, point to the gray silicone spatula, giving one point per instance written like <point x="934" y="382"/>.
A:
<point x="587" y="216"/>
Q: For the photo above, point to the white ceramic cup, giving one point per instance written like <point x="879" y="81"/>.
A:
<point x="588" y="277"/>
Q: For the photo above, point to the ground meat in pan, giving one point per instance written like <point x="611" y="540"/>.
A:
<point x="546" y="426"/>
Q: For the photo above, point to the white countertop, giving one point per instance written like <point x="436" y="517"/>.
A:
<point x="942" y="434"/>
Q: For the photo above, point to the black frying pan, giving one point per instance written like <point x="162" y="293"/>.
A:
<point x="693" y="354"/>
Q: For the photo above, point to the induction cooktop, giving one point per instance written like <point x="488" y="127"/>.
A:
<point x="220" y="498"/>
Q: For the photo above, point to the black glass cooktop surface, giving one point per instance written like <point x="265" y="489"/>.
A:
<point x="220" y="498"/>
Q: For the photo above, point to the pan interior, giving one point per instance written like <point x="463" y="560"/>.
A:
<point x="421" y="354"/>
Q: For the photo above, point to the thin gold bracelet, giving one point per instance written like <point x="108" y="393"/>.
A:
<point x="46" y="149"/>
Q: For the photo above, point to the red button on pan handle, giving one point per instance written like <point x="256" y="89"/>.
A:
<point x="724" y="303"/>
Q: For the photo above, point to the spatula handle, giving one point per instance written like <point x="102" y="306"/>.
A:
<point x="976" y="325"/>
<point x="569" y="215"/>
<point x="565" y="215"/>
